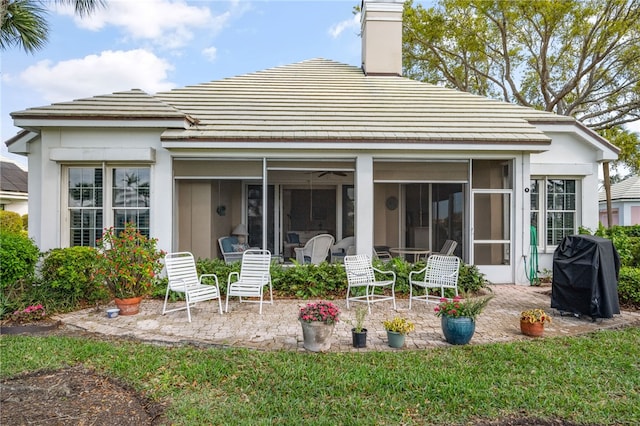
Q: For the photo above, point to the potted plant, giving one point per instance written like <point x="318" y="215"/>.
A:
<point x="458" y="317"/>
<point x="397" y="329"/>
<point x="318" y="320"/>
<point x="358" y="332"/>
<point x="532" y="322"/>
<point x="128" y="262"/>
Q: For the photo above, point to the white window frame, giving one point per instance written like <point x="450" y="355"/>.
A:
<point x="543" y="210"/>
<point x="107" y="196"/>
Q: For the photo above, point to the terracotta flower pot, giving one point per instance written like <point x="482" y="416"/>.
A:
<point x="129" y="306"/>
<point x="533" y="329"/>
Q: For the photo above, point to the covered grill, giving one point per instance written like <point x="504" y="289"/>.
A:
<point x="585" y="277"/>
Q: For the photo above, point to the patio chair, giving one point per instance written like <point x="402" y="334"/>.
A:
<point x="448" y="248"/>
<point x="441" y="273"/>
<point x="361" y="274"/>
<point x="382" y="253"/>
<point x="253" y="277"/>
<point x="315" y="250"/>
<point x="183" y="278"/>
<point x="231" y="249"/>
<point x="342" y="248"/>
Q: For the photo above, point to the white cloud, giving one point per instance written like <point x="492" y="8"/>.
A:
<point x="350" y="24"/>
<point x="92" y="75"/>
<point x="166" y="23"/>
<point x="210" y="53"/>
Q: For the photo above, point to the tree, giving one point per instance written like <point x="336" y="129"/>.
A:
<point x="579" y="58"/>
<point x="629" y="144"/>
<point x="23" y="23"/>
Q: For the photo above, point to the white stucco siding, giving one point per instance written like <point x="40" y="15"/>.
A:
<point x="48" y="221"/>
<point x="570" y="157"/>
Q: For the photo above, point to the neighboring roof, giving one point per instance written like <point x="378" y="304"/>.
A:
<point x="12" y="178"/>
<point x="628" y="189"/>
<point x="323" y="100"/>
<point x="129" y="105"/>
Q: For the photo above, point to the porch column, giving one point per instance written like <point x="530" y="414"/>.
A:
<point x="364" y="204"/>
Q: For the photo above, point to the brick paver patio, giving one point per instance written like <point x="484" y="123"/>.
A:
<point x="278" y="328"/>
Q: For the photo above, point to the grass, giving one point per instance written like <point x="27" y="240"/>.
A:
<point x="593" y="379"/>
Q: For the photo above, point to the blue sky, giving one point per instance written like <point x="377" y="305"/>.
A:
<point x="157" y="45"/>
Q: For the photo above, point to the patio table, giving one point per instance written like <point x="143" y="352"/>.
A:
<point x="416" y="252"/>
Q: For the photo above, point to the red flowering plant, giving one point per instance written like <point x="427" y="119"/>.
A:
<point x="458" y="307"/>
<point x="29" y="314"/>
<point x="128" y="262"/>
<point x="325" y="312"/>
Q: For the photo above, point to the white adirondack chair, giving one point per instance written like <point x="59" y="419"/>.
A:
<point x="183" y="278"/>
<point x="254" y="276"/>
<point x="361" y="273"/>
<point x="441" y="273"/>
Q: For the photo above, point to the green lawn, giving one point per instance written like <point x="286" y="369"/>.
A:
<point x="593" y="379"/>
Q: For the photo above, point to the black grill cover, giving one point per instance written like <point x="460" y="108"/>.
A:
<point x="585" y="276"/>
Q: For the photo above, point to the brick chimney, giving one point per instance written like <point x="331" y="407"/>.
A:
<point x="381" y="26"/>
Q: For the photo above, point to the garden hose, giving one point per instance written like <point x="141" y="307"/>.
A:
<point x="533" y="257"/>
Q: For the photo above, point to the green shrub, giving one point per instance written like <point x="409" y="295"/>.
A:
<point x="306" y="281"/>
<point x="19" y="256"/>
<point x="629" y="286"/>
<point x="203" y="266"/>
<point x="68" y="277"/>
<point x="10" y="222"/>
<point x="402" y="268"/>
<point x="470" y="279"/>
<point x="25" y="222"/>
<point x="624" y="239"/>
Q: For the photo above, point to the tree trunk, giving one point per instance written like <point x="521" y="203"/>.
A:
<point x="607" y="191"/>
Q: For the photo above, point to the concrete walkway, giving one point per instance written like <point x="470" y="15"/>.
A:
<point x="278" y="328"/>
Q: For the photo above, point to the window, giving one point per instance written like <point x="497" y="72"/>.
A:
<point x="554" y="209"/>
<point x="131" y="198"/>
<point x="94" y="203"/>
<point x="85" y="206"/>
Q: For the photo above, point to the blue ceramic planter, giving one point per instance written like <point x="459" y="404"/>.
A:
<point x="458" y="331"/>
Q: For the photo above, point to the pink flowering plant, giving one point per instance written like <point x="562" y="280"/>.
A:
<point x="325" y="312"/>
<point x="128" y="262"/>
<point x="29" y="314"/>
<point x="462" y="307"/>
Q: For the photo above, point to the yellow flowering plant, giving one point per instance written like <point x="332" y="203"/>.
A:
<point x="535" y="315"/>
<point x="398" y="325"/>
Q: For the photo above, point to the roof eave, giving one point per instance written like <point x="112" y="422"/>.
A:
<point x="101" y="121"/>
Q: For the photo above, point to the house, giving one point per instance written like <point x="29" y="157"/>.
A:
<point x="315" y="146"/>
<point x="14" y="193"/>
<point x="625" y="203"/>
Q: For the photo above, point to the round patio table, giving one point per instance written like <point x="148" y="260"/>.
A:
<point x="416" y="252"/>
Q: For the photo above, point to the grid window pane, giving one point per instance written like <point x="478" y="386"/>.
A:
<point x="130" y="191"/>
<point x="131" y="195"/>
<point x="85" y="205"/>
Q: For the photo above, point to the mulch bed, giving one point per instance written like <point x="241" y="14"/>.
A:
<point x="73" y="396"/>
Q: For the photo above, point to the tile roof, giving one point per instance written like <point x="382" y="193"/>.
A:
<point x="317" y="100"/>
<point x="628" y="189"/>
<point x="323" y="100"/>
<point x="132" y="104"/>
<point x="12" y="178"/>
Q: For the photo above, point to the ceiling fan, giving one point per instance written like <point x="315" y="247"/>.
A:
<point x="343" y="174"/>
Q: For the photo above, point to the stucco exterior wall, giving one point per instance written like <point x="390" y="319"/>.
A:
<point x="48" y="221"/>
<point x="571" y="158"/>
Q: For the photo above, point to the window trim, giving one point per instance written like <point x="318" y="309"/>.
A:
<point x="108" y="215"/>
<point x="543" y="245"/>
